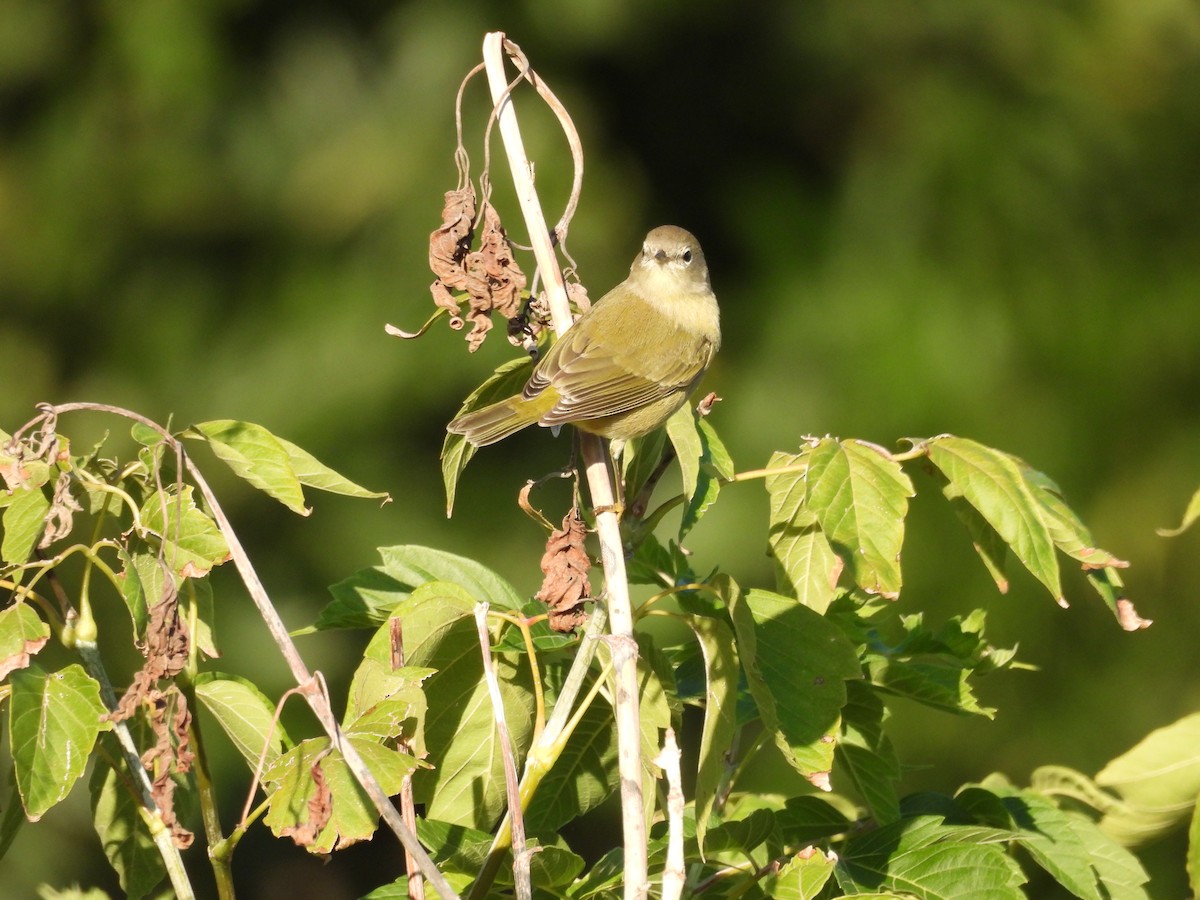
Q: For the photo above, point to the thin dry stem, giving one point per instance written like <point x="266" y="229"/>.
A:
<point x="674" y="875"/>
<point x="511" y="786"/>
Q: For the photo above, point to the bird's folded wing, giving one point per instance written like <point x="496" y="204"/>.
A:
<point x="592" y="381"/>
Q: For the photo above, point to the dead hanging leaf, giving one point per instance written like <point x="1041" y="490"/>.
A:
<point x="171" y="755"/>
<point x="61" y="515"/>
<point x="565" y="565"/>
<point x="166" y="650"/>
<point x="578" y="296"/>
<point x="489" y="276"/>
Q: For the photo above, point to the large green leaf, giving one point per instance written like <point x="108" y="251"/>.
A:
<point x="721" y="671"/>
<point x="54" y="719"/>
<point x="257" y="456"/>
<point x="583" y="776"/>
<point x="366" y="598"/>
<point x="1158" y="780"/>
<point x="1046" y="832"/>
<point x="272" y="464"/>
<point x="923" y="857"/>
<point x="866" y="755"/>
<point x="808" y="567"/>
<point x="796" y="663"/>
<point x="703" y="462"/>
<point x="992" y="482"/>
<point x="802" y="877"/>
<point x="457" y="451"/>
<point x="191" y="542"/>
<point x="292" y="789"/>
<point x="127" y="843"/>
<point x="24" y="521"/>
<point x="859" y="495"/>
<point x="466" y="786"/>
<point x="245" y="715"/>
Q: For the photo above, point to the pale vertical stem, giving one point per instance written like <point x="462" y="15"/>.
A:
<point x="620" y="609"/>
<point x="673" y="873"/>
<point x="512" y="788"/>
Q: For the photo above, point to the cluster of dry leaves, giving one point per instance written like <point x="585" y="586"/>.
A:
<point x="166" y="650"/>
<point x="489" y="276"/>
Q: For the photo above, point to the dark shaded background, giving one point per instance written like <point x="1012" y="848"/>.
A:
<point x="947" y="216"/>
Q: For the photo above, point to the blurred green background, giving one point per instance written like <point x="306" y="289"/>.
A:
<point x="950" y="216"/>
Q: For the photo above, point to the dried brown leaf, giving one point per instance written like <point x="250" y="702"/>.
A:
<point x="489" y="276"/>
<point x="565" y="567"/>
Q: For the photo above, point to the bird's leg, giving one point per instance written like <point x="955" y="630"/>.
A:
<point x="613" y="451"/>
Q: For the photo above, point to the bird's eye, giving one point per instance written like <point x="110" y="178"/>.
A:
<point x="687" y="256"/>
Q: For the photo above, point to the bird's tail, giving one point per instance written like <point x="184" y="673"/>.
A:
<point x="497" y="421"/>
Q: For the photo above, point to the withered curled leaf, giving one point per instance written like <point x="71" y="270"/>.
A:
<point x="489" y="276"/>
<point x="565" y="566"/>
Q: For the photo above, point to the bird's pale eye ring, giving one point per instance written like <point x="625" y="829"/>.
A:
<point x="687" y="256"/>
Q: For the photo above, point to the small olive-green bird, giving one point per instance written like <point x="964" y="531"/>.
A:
<point x="630" y="361"/>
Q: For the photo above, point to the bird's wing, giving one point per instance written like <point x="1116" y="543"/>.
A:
<point x="594" y="379"/>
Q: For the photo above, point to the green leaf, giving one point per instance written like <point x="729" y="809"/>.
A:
<point x="255" y="455"/>
<point x="466" y="787"/>
<point x="245" y="714"/>
<point x="1049" y="836"/>
<point x="455" y="848"/>
<point x="809" y="818"/>
<point x="1119" y="871"/>
<point x="191" y="542"/>
<point x="992" y="482"/>
<point x="1158" y="780"/>
<point x="802" y="877"/>
<point x="315" y="474"/>
<point x="22" y="635"/>
<point x="640" y="459"/>
<point x="583" y="775"/>
<point x="1061" y="781"/>
<point x="715" y="465"/>
<point x="457" y="451"/>
<point x="388" y="703"/>
<point x="683" y="430"/>
<point x="116" y="816"/>
<point x="796" y="663"/>
<point x="398" y="889"/>
<point x="807" y="565"/>
<point x="24" y="521"/>
<point x="414" y="565"/>
<point x="549" y="868"/>
<point x="992" y="549"/>
<point x="721" y="672"/>
<point x="925" y="858"/>
<point x="367" y="598"/>
<point x="1190" y="515"/>
<point x="859" y="495"/>
<point x="196" y="608"/>
<point x="54" y="719"/>
<point x="866" y="755"/>
<point x="11" y="815"/>
<point x="291" y="787"/>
